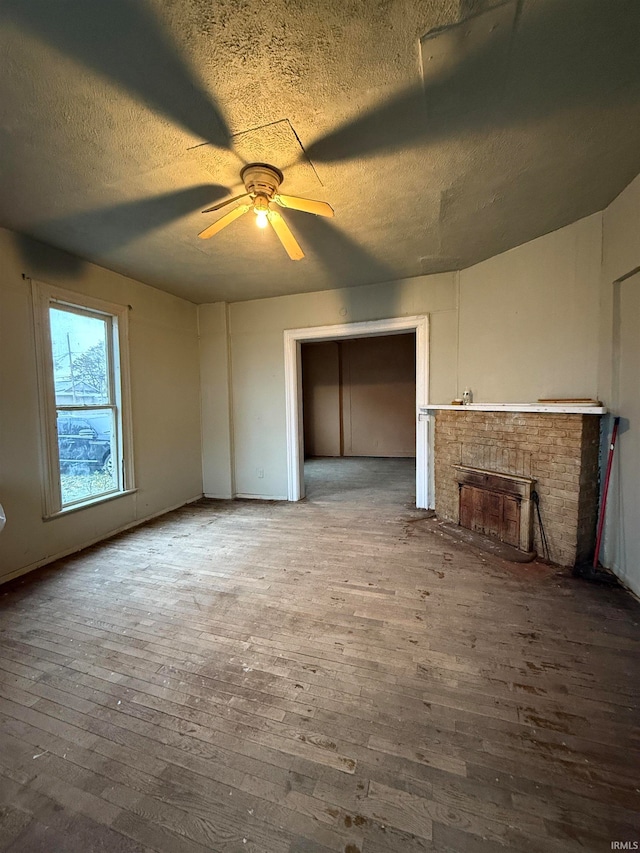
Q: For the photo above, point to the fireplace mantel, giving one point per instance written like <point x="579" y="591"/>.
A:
<point x="556" y="408"/>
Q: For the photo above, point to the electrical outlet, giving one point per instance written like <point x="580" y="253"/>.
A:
<point x="260" y="473"/>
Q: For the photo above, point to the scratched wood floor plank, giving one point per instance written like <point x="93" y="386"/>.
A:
<point x="334" y="675"/>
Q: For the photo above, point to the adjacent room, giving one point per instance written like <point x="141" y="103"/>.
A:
<point x="319" y="426"/>
<point x="359" y="405"/>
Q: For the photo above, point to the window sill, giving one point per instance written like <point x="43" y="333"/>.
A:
<point x="88" y="503"/>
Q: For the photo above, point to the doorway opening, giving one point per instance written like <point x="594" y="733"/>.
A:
<point x="358" y="403"/>
<point x="348" y="412"/>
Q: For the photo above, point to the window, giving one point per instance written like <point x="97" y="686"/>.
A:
<point x="83" y="378"/>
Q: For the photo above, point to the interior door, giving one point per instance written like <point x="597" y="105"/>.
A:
<point x="622" y="552"/>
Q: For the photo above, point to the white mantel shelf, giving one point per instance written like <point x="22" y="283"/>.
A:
<point x="517" y="407"/>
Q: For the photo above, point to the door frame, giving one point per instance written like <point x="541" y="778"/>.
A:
<point x="293" y="340"/>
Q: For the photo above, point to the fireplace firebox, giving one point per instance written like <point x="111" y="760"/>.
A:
<point x="496" y="504"/>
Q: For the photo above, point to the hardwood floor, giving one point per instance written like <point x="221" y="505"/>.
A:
<point x="333" y="675"/>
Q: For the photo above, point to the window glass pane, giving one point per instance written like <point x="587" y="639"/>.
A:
<point x="86" y="447"/>
<point x="79" y="349"/>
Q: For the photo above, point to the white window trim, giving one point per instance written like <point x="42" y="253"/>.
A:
<point x="44" y="296"/>
<point x="293" y="338"/>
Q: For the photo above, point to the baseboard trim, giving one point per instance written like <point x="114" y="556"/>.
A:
<point x="77" y="548"/>
<point x="261" y="497"/>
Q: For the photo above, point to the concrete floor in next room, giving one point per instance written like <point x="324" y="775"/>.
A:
<point x="332" y="675"/>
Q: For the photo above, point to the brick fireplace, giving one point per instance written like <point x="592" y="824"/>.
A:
<point x="554" y="452"/>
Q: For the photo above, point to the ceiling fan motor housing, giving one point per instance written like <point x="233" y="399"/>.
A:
<point x="261" y="179"/>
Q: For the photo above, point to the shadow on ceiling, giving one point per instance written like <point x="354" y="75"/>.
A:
<point x="347" y="262"/>
<point x="578" y="53"/>
<point x="41" y="259"/>
<point x="124" y="42"/>
<point x="110" y="228"/>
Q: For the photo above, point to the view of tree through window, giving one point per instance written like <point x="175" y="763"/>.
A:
<point x="84" y="403"/>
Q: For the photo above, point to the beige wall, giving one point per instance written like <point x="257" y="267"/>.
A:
<point x="165" y="405"/>
<point x="257" y="361"/>
<point x="359" y="397"/>
<point x="321" y="398"/>
<point x="217" y="468"/>
<point x="620" y="257"/>
<point x="618" y="378"/>
<point x="529" y="318"/>
<point x="379" y="396"/>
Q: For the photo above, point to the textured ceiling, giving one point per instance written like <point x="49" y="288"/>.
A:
<point x="441" y="131"/>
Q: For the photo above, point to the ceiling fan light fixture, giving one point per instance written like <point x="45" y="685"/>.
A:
<point x="262" y="182"/>
<point x="261" y="209"/>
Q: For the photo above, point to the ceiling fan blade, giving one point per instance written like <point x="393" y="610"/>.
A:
<point x="320" y="208"/>
<point x="225" y="203"/>
<point x="225" y="220"/>
<point x="285" y="236"/>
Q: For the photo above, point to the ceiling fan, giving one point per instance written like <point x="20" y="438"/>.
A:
<point x="262" y="183"/>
